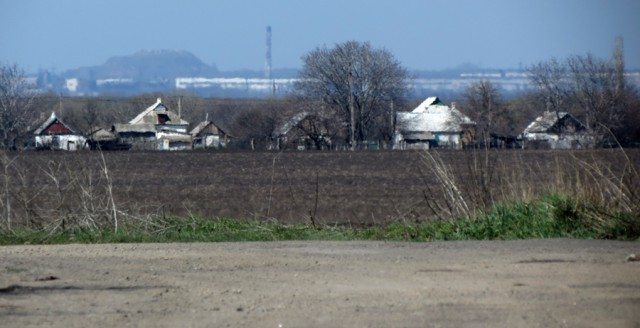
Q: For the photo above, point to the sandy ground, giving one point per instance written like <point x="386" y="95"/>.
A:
<point x="531" y="283"/>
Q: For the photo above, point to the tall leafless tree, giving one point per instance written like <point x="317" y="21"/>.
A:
<point x="483" y="104"/>
<point x="358" y="82"/>
<point x="602" y="91"/>
<point x="595" y="92"/>
<point x="552" y="79"/>
<point x="17" y="100"/>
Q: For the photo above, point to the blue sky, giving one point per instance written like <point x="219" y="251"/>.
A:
<point x="421" y="34"/>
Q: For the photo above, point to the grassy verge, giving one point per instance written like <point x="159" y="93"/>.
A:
<point x="550" y="217"/>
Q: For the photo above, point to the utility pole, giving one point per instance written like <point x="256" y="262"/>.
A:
<point x="267" y="64"/>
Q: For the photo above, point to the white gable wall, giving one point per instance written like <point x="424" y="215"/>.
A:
<point x="69" y="142"/>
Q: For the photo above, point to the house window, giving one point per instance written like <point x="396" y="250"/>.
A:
<point x="163" y="118"/>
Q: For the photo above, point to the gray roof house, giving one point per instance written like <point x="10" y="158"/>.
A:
<point x="208" y="135"/>
<point x="556" y="130"/>
<point x="432" y="124"/>
<point x="156" y="127"/>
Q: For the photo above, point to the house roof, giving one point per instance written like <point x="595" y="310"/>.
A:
<point x="137" y="128"/>
<point x="432" y="115"/>
<point x="149" y="117"/>
<point x="293" y="121"/>
<point x="50" y="121"/>
<point x="548" y="120"/>
<point x="214" y="129"/>
<point x="296" y="119"/>
<point x="431" y="101"/>
<point x="101" y="134"/>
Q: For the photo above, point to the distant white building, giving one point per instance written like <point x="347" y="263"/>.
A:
<point x="433" y="124"/>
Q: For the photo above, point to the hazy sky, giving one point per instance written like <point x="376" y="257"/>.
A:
<point x="421" y="34"/>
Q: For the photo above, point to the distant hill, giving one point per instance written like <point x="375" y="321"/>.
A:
<point x="158" y="71"/>
<point x="147" y="65"/>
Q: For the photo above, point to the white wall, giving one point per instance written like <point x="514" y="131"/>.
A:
<point x="61" y="142"/>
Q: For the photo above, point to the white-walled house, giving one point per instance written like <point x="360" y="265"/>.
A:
<point x="432" y="124"/>
<point x="157" y="128"/>
<point x="54" y="134"/>
<point x="208" y="135"/>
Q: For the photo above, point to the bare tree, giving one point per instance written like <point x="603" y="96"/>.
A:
<point x="314" y="124"/>
<point x="595" y="92"/>
<point x="551" y="78"/>
<point x="358" y="82"/>
<point x="255" y="127"/>
<point x="17" y="100"/>
<point x="483" y="104"/>
<point x="596" y="87"/>
<point x="91" y="115"/>
<point x="602" y="91"/>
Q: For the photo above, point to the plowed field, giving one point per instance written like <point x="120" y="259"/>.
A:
<point x="357" y="188"/>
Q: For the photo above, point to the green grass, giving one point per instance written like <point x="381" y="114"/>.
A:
<point x="182" y="230"/>
<point x="550" y="217"/>
<point x="553" y="216"/>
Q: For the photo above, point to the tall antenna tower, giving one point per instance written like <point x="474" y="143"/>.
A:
<point x="267" y="64"/>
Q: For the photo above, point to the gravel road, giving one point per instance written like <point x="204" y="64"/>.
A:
<point x="527" y="283"/>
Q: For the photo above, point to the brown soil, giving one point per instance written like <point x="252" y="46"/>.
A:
<point x="355" y="188"/>
<point x="532" y="283"/>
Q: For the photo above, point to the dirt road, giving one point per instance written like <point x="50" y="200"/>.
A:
<point x="531" y="283"/>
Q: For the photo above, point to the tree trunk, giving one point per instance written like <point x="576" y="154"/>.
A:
<point x="352" y="112"/>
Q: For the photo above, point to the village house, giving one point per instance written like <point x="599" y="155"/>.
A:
<point x="304" y="131"/>
<point x="156" y="128"/>
<point x="208" y="135"/>
<point x="103" y="139"/>
<point x="556" y="130"/>
<point x="433" y="124"/>
<point x="54" y="134"/>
